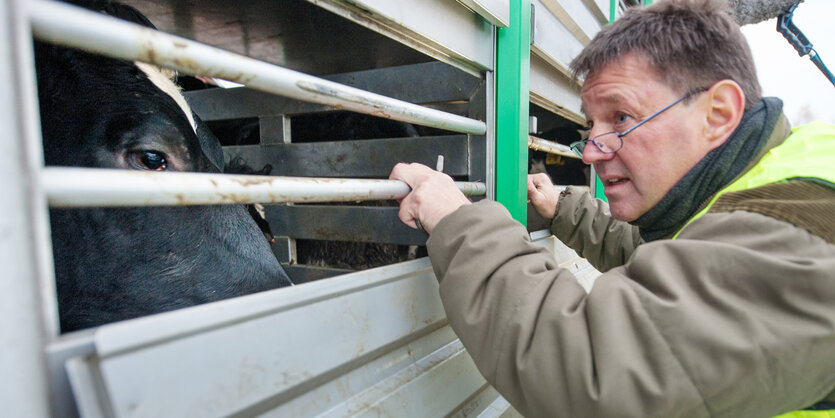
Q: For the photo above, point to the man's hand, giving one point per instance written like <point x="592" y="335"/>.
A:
<point x="433" y="196"/>
<point x="543" y="195"/>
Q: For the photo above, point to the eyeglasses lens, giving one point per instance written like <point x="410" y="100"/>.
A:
<point x="607" y="143"/>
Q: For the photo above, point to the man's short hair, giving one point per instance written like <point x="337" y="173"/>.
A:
<point x="690" y="43"/>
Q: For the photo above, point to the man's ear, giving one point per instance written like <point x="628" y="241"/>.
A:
<point x="726" y="104"/>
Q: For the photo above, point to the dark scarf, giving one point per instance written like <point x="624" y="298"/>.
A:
<point x="718" y="169"/>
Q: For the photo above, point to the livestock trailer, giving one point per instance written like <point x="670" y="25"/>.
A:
<point x="474" y="83"/>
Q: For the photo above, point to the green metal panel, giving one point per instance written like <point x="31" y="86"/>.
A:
<point x="598" y="189"/>
<point x="512" y="90"/>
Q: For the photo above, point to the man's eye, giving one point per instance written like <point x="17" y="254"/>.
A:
<point x="622" y="119"/>
<point x="148" y="160"/>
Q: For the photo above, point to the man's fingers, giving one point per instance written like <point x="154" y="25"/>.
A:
<point x="411" y="174"/>
<point x="407" y="212"/>
<point x="542" y="194"/>
<point x="539" y="180"/>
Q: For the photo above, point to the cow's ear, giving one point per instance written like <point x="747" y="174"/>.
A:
<point x="209" y="144"/>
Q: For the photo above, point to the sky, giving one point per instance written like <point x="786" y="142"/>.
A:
<point x="807" y="94"/>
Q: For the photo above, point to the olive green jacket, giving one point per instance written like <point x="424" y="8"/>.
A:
<point x="734" y="318"/>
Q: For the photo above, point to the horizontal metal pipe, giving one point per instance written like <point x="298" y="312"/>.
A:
<point x="68" y="187"/>
<point x="94" y="32"/>
<point x="550" y="147"/>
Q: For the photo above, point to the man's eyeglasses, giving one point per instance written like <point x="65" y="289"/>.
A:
<point x="611" y="142"/>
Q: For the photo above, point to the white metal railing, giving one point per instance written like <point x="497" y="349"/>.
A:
<point x="97" y="33"/>
<point x="80" y="187"/>
<point x="94" y="32"/>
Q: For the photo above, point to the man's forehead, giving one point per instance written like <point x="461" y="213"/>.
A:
<point x="613" y="98"/>
<point x="620" y="78"/>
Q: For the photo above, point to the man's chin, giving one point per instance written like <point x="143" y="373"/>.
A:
<point x="623" y="212"/>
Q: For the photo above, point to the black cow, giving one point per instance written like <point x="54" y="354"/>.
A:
<point x="118" y="263"/>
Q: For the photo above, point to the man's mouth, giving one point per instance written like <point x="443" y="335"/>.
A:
<point x="615" y="181"/>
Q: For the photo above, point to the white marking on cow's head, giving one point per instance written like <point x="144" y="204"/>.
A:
<point x="162" y="78"/>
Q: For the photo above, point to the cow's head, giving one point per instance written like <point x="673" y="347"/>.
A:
<point x="114" y="264"/>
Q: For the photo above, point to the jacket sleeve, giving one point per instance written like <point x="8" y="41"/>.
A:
<point x="585" y="224"/>
<point x="738" y="325"/>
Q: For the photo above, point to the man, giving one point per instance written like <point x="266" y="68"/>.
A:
<point x="717" y="247"/>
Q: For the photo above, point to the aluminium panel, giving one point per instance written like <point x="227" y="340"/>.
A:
<point x="553" y="41"/>
<point x="269" y="348"/>
<point x="415" y="390"/>
<point x="577" y="16"/>
<point x="599" y="8"/>
<point x="496" y="12"/>
<point x="442" y="29"/>
<point x="266" y="348"/>
<point x="368" y="343"/>
<point x="553" y="91"/>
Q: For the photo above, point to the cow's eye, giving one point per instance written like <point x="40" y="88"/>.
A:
<point x="148" y="160"/>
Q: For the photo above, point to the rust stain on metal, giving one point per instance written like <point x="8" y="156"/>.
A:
<point x="381" y="114"/>
<point x="181" y="200"/>
<point x="147" y="53"/>
<point x="189" y="64"/>
<point x="252" y="182"/>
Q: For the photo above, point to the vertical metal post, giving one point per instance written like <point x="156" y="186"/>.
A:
<point x="512" y="104"/>
<point x="24" y="240"/>
<point x="275" y="130"/>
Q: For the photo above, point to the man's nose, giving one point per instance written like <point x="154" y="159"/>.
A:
<point x="593" y="154"/>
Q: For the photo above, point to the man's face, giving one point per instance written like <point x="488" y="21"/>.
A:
<point x="656" y="155"/>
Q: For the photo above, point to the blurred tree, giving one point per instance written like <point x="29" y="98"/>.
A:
<point x="747" y="12"/>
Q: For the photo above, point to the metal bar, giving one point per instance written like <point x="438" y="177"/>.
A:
<point x="94" y="32"/>
<point x="487" y="160"/>
<point x="550" y="147"/>
<point x="82" y="187"/>
<point x="431" y="82"/>
<point x="24" y="238"/>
